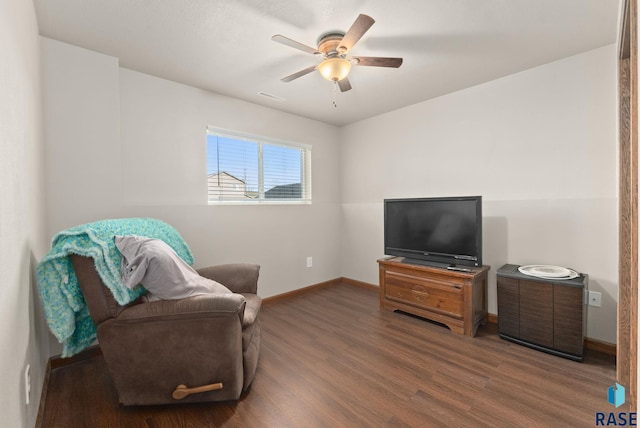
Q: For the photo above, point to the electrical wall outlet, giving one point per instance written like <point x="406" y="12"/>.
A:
<point x="309" y="262"/>
<point x="595" y="299"/>
<point x="27" y="383"/>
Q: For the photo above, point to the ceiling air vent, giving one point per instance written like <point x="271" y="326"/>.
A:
<point x="270" y="96"/>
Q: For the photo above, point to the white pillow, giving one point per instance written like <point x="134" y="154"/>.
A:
<point x="154" y="264"/>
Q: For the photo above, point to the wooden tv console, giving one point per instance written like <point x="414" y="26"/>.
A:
<point x="453" y="298"/>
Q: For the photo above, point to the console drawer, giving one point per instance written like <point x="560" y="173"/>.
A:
<point x="432" y="294"/>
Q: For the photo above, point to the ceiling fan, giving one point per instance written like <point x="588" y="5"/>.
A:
<point x="334" y="47"/>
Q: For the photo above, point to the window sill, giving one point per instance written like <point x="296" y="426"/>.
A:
<point x="260" y="202"/>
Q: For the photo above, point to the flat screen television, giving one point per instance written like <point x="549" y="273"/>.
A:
<point x="442" y="232"/>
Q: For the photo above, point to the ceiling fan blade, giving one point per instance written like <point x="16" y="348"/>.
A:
<point x="293" y="44"/>
<point x="344" y="84"/>
<point x="376" y="61"/>
<point x="357" y="30"/>
<point x="298" y="74"/>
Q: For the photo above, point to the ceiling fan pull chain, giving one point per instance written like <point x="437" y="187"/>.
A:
<point x="334" y="93"/>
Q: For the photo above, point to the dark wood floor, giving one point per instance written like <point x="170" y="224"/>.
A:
<point x="331" y="358"/>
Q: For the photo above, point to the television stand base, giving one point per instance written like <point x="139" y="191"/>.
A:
<point x="451" y="297"/>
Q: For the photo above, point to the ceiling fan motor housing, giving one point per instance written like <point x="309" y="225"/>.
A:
<point x="328" y="43"/>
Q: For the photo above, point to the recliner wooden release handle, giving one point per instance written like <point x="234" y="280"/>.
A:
<point x="182" y="391"/>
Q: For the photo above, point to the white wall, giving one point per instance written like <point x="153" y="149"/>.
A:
<point x="121" y="143"/>
<point x="23" y="337"/>
<point x="539" y="146"/>
<point x="163" y="128"/>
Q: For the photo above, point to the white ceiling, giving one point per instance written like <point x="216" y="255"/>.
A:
<point x="225" y="46"/>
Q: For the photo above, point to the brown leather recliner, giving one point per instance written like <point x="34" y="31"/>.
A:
<point x="202" y="348"/>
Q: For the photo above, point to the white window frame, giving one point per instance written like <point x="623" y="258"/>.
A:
<point x="305" y="150"/>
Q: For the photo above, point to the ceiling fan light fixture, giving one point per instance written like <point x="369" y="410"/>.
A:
<point x="334" y="69"/>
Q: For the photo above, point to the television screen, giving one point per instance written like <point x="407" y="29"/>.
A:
<point x="437" y="230"/>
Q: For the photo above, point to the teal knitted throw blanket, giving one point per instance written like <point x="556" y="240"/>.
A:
<point x="64" y="306"/>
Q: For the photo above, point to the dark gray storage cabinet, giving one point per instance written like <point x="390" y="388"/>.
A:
<point x="545" y="314"/>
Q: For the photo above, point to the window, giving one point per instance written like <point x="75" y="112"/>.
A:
<point x="245" y="168"/>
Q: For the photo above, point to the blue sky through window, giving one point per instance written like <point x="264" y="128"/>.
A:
<point x="236" y="157"/>
<point x="282" y="165"/>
